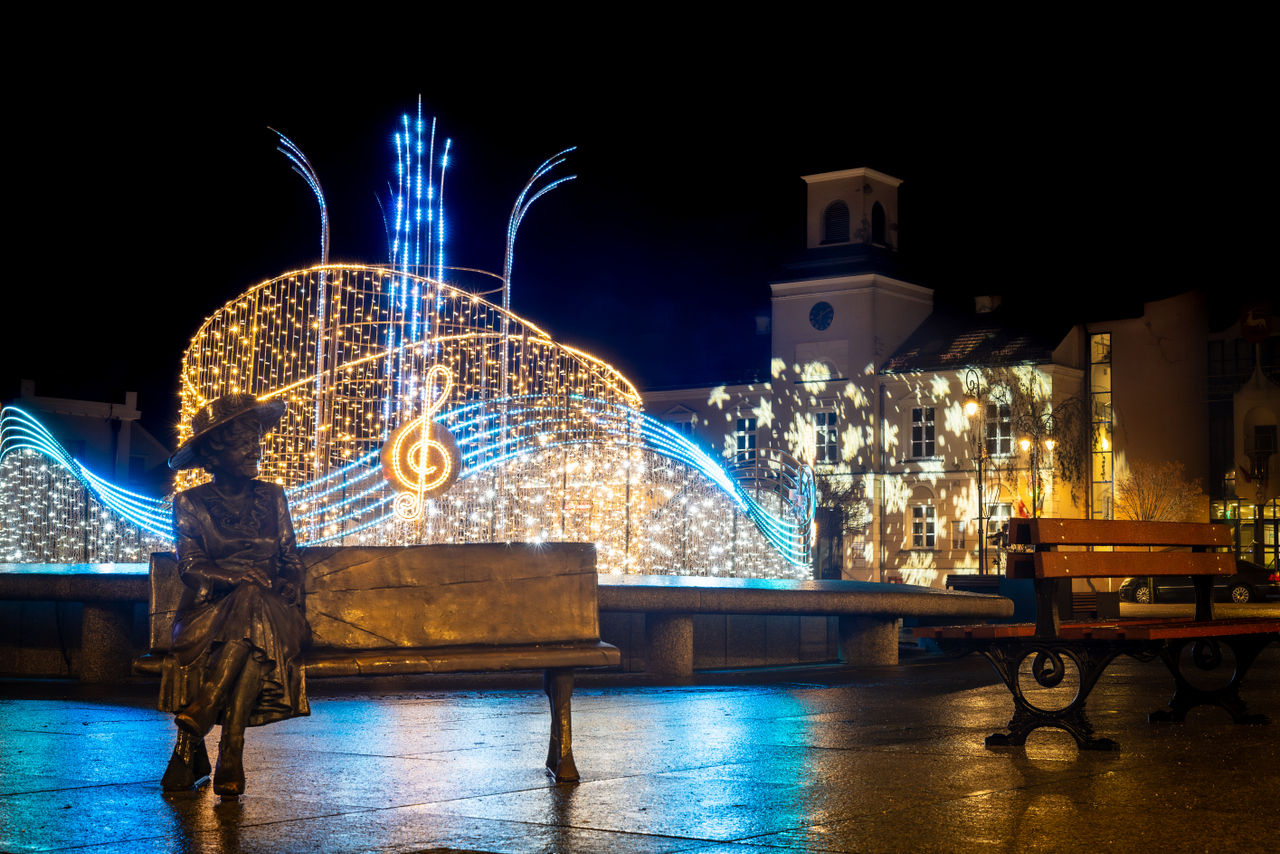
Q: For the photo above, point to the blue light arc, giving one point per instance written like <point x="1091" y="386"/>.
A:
<point x="539" y="425"/>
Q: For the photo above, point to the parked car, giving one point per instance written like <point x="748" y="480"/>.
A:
<point x="1251" y="583"/>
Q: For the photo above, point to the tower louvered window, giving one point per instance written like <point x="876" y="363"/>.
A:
<point x="835" y="223"/>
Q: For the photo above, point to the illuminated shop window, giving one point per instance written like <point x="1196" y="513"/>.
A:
<point x="826" y="438"/>
<point x="922" y="432"/>
<point x="997" y="517"/>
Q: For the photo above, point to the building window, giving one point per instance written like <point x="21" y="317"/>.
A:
<point x="924" y="527"/>
<point x="684" y="428"/>
<point x="835" y="223"/>
<point x="878" y="225"/>
<point x="922" y="429"/>
<point x="744" y="440"/>
<point x="958" y="532"/>
<point x="826" y="441"/>
<point x="999" y="430"/>
<point x="997" y="517"/>
<point x="1264" y="445"/>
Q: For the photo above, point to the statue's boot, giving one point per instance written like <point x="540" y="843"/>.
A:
<point x="228" y="780"/>
<point x="201" y="714"/>
<point x="188" y="766"/>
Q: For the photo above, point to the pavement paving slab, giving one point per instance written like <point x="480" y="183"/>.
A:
<point x="827" y="758"/>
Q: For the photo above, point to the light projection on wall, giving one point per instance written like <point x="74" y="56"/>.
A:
<point x="419" y="412"/>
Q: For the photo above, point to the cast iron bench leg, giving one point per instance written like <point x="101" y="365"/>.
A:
<point x="1007" y="658"/>
<point x="1206" y="656"/>
<point x="558" y="685"/>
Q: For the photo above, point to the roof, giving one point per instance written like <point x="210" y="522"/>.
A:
<point x="950" y="339"/>
<point x="843" y="259"/>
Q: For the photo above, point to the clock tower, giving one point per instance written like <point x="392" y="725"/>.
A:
<point x="844" y="304"/>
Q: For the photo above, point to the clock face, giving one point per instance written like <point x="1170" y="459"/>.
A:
<point x="821" y="315"/>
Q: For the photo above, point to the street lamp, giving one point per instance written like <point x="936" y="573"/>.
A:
<point x="978" y="444"/>
<point x="1035" y="430"/>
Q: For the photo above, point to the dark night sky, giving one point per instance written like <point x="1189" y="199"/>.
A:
<point x="156" y="194"/>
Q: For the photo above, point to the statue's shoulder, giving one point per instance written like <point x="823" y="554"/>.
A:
<point x="196" y="493"/>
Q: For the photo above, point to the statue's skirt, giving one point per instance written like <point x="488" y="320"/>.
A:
<point x="276" y="633"/>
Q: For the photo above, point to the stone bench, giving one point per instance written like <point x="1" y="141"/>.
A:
<point x="868" y="612"/>
<point x="108" y="592"/>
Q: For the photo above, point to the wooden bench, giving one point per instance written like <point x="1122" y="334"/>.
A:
<point x="1060" y="555"/>
<point x="381" y="611"/>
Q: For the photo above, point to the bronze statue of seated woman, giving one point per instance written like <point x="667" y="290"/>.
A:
<point x="241" y="626"/>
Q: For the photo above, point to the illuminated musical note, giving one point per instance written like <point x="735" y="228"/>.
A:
<point x="422" y="456"/>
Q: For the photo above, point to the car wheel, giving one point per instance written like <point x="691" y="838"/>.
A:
<point x="1142" y="595"/>
<point x="1240" y="593"/>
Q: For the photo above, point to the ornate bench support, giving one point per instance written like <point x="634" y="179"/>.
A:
<point x="558" y="685"/>
<point x="1048" y="669"/>
<point x="1206" y="655"/>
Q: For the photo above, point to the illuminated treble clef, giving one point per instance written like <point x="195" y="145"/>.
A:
<point x="422" y="456"/>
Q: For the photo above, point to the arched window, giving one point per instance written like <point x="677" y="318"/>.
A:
<point x="878" y="225"/>
<point x="835" y="223"/>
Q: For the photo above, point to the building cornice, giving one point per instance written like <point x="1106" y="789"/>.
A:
<point x="850" y="284"/>
<point x="860" y="172"/>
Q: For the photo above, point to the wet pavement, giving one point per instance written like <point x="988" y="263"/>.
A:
<point x="886" y="759"/>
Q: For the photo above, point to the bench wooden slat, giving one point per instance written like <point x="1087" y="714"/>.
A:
<point x="1125" y="564"/>
<point x="1107" y="532"/>
<point x="1177" y="627"/>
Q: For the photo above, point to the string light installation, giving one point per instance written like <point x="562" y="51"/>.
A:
<point x="420" y="412"/>
<point x="553" y="447"/>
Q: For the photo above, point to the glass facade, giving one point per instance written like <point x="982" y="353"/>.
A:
<point x="1102" y="493"/>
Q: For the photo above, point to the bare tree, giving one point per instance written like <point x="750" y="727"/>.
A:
<point x="1025" y="393"/>
<point x="842" y="509"/>
<point x="1156" y="492"/>
<point x="845" y="496"/>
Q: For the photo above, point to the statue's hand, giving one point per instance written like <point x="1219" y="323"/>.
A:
<point x="255" y="575"/>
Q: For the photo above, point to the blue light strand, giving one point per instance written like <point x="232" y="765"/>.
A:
<point x="21" y="431"/>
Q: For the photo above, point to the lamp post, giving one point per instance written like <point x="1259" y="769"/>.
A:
<point x="1035" y="430"/>
<point x="972" y="407"/>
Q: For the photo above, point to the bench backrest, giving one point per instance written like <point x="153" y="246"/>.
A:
<point x="1116" y="532"/>
<point x="1046" y="565"/>
<point x="415" y="597"/>
<point x="1045" y="534"/>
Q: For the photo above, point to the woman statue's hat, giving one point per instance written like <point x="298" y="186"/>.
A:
<point x="222" y="411"/>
